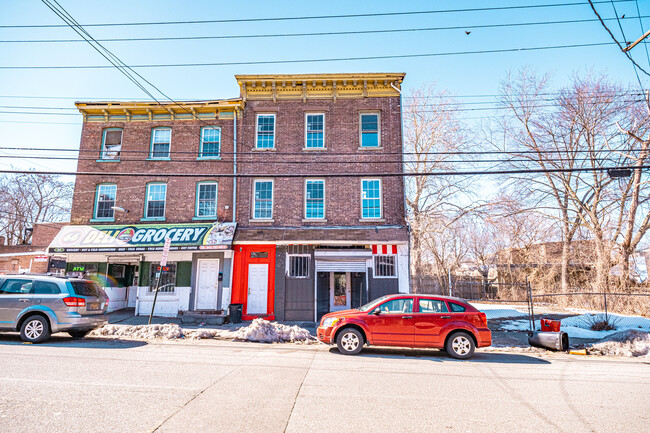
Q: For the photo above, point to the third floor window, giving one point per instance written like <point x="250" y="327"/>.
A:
<point x="161" y="139"/>
<point x="210" y="142"/>
<point x="265" y="132"/>
<point x="370" y="130"/>
<point x="314" y="130"/>
<point x="112" y="143"/>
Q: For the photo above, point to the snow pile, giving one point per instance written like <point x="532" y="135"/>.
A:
<point x="501" y="310"/>
<point x="167" y="331"/>
<point x="629" y="343"/>
<point x="266" y="332"/>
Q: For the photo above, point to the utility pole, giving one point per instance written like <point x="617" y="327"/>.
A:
<point x="635" y="43"/>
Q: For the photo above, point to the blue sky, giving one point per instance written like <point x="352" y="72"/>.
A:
<point x="463" y="75"/>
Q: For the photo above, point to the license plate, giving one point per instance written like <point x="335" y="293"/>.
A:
<point x="93" y="306"/>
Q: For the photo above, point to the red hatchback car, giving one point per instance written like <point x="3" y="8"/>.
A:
<point x="438" y="322"/>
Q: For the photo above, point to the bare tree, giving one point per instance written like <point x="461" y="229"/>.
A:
<point x="26" y="199"/>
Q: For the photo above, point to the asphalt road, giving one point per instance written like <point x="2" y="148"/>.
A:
<point x="127" y="386"/>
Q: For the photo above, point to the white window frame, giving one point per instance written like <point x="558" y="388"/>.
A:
<point x="314" y="113"/>
<point x="151" y="147"/>
<point x="255" y="182"/>
<point x="97" y="195"/>
<point x="146" y="208"/>
<point x="324" y="200"/>
<point x="378" y="146"/>
<point x="374" y="266"/>
<point x="288" y="265"/>
<point x="216" y="199"/>
<point x="105" y="152"/>
<point x="257" y="125"/>
<point x="381" y="199"/>
<point x="201" y="150"/>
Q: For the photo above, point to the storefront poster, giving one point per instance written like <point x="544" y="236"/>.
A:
<point x="146" y="237"/>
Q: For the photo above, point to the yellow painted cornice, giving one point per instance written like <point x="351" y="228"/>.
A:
<point x="319" y="86"/>
<point x="128" y="111"/>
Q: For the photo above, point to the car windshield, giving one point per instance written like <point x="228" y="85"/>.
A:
<point x="85" y="288"/>
<point x="370" y="305"/>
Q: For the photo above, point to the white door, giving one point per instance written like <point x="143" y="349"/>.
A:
<point x="207" y="285"/>
<point x="131" y="295"/>
<point x="340" y="292"/>
<point x="258" y="284"/>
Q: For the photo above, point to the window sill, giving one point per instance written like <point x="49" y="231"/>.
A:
<point x="370" y="148"/>
<point x="314" y="149"/>
<point x="107" y="160"/>
<point x="102" y="220"/>
<point x="205" y="218"/>
<point x="261" y="220"/>
<point x="208" y="158"/>
<point x="265" y="149"/>
<point x="158" y="159"/>
<point x="314" y="220"/>
<point x="153" y="219"/>
<point x="372" y="220"/>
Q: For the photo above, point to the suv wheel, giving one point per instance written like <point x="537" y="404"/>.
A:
<point x="35" y="329"/>
<point x="349" y="341"/>
<point x="460" y="345"/>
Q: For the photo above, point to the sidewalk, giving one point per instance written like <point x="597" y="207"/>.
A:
<point x="127" y="316"/>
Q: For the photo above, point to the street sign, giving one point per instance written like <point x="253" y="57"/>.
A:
<point x="165" y="253"/>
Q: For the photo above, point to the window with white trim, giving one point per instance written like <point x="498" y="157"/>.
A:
<point x="385" y="266"/>
<point x="210" y="142"/>
<point x="298" y="265"/>
<point x="167" y="282"/>
<point x="111" y="144"/>
<point x="371" y="198"/>
<point x="314" y="130"/>
<point x="369" y="129"/>
<point x="263" y="199"/>
<point x="265" y="131"/>
<point x="155" y="200"/>
<point x="105" y="201"/>
<point x="161" y="139"/>
<point x="314" y="199"/>
<point x="206" y="199"/>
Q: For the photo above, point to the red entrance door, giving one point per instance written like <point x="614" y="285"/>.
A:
<point x="254" y="280"/>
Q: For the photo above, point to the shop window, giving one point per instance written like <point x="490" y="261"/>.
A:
<point x="167" y="282"/>
<point x="210" y="142"/>
<point x="298" y="265"/>
<point x="111" y="144"/>
<point x="385" y="266"/>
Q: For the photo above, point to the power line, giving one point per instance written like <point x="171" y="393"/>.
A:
<point x="319" y="60"/>
<point x="316" y="17"/>
<point x="645" y="43"/>
<point x="307" y="34"/>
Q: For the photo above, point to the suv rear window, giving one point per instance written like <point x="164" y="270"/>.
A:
<point x="85" y="288"/>
<point x="456" y="308"/>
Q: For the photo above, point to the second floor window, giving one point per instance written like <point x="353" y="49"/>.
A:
<point x="206" y="199"/>
<point x="370" y="130"/>
<point x="263" y="199"/>
<point x="370" y="198"/>
<point x="105" y="201"/>
<point x="111" y="143"/>
<point x="156" y="199"/>
<point x="210" y="142"/>
<point x="265" y="133"/>
<point x="161" y="139"/>
<point x="314" y="130"/>
<point x="315" y="199"/>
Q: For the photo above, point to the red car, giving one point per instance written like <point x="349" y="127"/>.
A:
<point x="438" y="322"/>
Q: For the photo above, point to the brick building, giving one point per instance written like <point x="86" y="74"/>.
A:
<point x="32" y="257"/>
<point x="306" y="242"/>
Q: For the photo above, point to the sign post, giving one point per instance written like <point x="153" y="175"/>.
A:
<point x="163" y="263"/>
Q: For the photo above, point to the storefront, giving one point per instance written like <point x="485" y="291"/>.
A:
<point x="125" y="260"/>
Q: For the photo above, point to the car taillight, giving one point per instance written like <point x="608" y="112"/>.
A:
<point x="74" y="302"/>
<point x="106" y="301"/>
<point x="483" y="318"/>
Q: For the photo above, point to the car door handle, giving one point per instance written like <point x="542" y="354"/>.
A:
<point x="407" y="317"/>
<point x="445" y="317"/>
<point x="23" y="300"/>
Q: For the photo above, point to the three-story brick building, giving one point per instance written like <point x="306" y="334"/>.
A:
<point x="308" y="167"/>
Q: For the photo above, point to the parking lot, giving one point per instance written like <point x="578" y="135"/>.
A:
<point x="116" y="385"/>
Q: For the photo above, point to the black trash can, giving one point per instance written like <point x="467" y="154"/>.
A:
<point x="235" y="312"/>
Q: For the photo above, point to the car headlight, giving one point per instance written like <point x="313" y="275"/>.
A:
<point x="331" y="321"/>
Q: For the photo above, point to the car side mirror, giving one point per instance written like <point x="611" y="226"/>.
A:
<point x="376" y="311"/>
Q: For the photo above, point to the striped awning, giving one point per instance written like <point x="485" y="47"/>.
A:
<point x="384" y="249"/>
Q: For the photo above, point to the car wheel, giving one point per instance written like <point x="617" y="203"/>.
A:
<point x="78" y="334"/>
<point x="460" y="345"/>
<point x="35" y="329"/>
<point x="349" y="341"/>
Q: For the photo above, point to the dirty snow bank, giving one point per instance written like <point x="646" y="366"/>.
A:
<point x="271" y="332"/>
<point x="497" y="311"/>
<point x="167" y="331"/>
<point x="630" y="343"/>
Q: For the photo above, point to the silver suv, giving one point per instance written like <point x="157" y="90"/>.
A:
<point x="39" y="305"/>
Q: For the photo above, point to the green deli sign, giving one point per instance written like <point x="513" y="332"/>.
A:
<point x="146" y="237"/>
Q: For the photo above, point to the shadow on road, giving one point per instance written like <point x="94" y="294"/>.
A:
<point x="440" y="356"/>
<point x="65" y="341"/>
